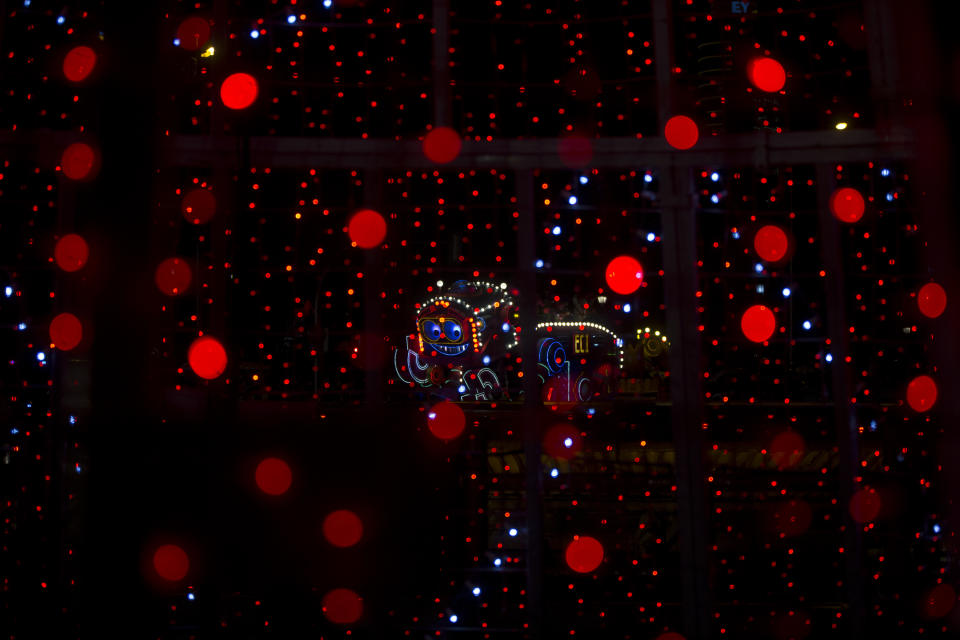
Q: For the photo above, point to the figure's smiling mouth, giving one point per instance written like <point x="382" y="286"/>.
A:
<point x="449" y="349"/>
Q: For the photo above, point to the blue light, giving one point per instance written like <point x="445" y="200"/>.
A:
<point x="486" y="359"/>
<point x="462" y="389"/>
<point x="497" y="562"/>
<point x="807" y="325"/>
<point x="61" y="19"/>
<point x="14" y="431"/>
<point x="72" y="419"/>
<point x="432" y="415"/>
<point x="453" y="618"/>
<point x="715" y="199"/>
<point x="328" y="3"/>
<point x="627" y="308"/>
<point x="41" y="356"/>
<point x="758" y="268"/>
<point x="890" y="197"/>
<point x="190" y="596"/>
<point x="76" y="467"/>
<point x="885" y="172"/>
<point x="291" y="19"/>
<point x="572" y="199"/>
<point x="648" y="178"/>
<point x="715" y="176"/>
<point x="554" y="472"/>
<point x="476" y="591"/>
<point x="568" y="442"/>
<point x="254" y="33"/>
<point x="176" y="42"/>
<point x="513" y="533"/>
<point x="759" y="288"/>
<point x="591" y="410"/>
<point x="936" y="528"/>
<point x="786" y="292"/>
<point x="26" y="3"/>
<point x="651" y="236"/>
<point x="735" y="235"/>
<point x="538" y="264"/>
<point x="505" y="327"/>
<point x="873" y="425"/>
<point x="8" y="291"/>
<point x="22" y="326"/>
<point x="583" y="180"/>
<point x="829" y="357"/>
<point x="557" y="230"/>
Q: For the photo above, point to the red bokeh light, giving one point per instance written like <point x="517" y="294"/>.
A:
<point x="78" y="64"/>
<point x="171" y="562"/>
<point x="78" y="161"/>
<point x="342" y="606"/>
<point x="562" y="441"/>
<point x="367" y="228"/>
<point x="173" y="276"/>
<point x="66" y="331"/>
<point x="207" y="357"/>
<point x="758" y="323"/>
<point x="932" y="300"/>
<point x="847" y="204"/>
<point x="442" y="145"/>
<point x="71" y="252"/>
<point x="273" y="476"/>
<point x="193" y="33"/>
<point x="584" y="554"/>
<point x="922" y="393"/>
<point x="198" y="205"/>
<point x="624" y="274"/>
<point x="681" y="132"/>
<point x="771" y="243"/>
<point x="342" y="528"/>
<point x="865" y="505"/>
<point x="787" y="449"/>
<point x="239" y="90"/>
<point x="446" y="420"/>
<point x="766" y="74"/>
<point x="575" y="152"/>
<point x="939" y="601"/>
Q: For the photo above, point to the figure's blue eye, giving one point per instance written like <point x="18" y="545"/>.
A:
<point x="432" y="330"/>
<point x="452" y="330"/>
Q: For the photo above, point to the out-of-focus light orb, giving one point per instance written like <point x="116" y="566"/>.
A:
<point x="840" y="126"/>
<point x="78" y="64"/>
<point x="367" y="228"/>
<point x="193" y="33"/>
<point x="173" y="276"/>
<point x="847" y="204"/>
<point x="273" y="476"/>
<point x="807" y="325"/>
<point x="254" y="33"/>
<point x="715" y="177"/>
<point x="239" y="91"/>
<point x="342" y="528"/>
<point x="512" y="533"/>
<point x="939" y="601"/>
<point x="562" y="441"/>
<point x="584" y="554"/>
<point x="342" y="606"/>
<point x="624" y="274"/>
<point x="766" y="74"/>
<point x="66" y="331"/>
<point x="786" y="292"/>
<point x="476" y="591"/>
<point x="865" y="505"/>
<point x="71" y="252"/>
<point x="442" y="145"/>
<point x="207" y="357"/>
<point x="198" y="205"/>
<point x="171" y="562"/>
<point x="932" y="300"/>
<point x="78" y="161"/>
<point x="758" y="323"/>
<point x="771" y="243"/>
<point x="681" y="132"/>
<point x="922" y="393"/>
<point x="446" y="420"/>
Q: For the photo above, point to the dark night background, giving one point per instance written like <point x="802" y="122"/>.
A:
<point x="710" y="526"/>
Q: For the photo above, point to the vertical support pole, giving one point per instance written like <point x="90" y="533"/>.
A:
<point x="844" y="417"/>
<point x="441" y="63"/>
<point x="884" y="62"/>
<point x="677" y="216"/>
<point x="373" y="346"/>
<point x="526" y="255"/>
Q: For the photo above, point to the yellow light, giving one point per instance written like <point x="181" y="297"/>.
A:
<point x="841" y="126"/>
<point x="206" y="54"/>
